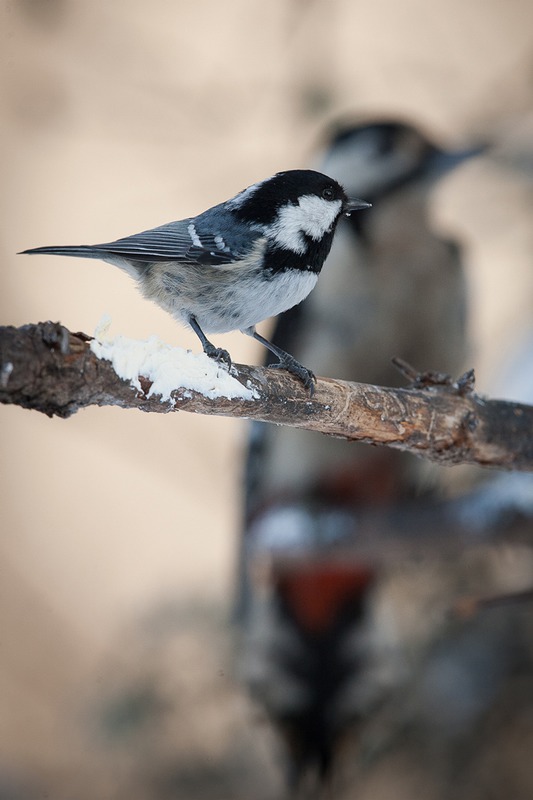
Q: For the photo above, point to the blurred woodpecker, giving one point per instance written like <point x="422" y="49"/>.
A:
<point x="391" y="287"/>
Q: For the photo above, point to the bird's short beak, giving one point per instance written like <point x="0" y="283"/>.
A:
<point x="355" y="205"/>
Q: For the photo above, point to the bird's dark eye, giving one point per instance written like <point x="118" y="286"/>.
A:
<point x="328" y="193"/>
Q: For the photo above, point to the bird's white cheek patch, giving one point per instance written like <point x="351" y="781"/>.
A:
<point x="313" y="216"/>
<point x="318" y="215"/>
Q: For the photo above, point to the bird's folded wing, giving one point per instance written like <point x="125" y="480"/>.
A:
<point x="174" y="241"/>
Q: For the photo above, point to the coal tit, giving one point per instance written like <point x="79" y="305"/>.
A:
<point x="239" y="262"/>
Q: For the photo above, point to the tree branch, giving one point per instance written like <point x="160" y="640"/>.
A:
<point x="47" y="368"/>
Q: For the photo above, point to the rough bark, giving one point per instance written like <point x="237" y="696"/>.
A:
<point x="47" y="368"/>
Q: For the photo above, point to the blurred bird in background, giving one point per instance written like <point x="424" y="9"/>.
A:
<point x="325" y="522"/>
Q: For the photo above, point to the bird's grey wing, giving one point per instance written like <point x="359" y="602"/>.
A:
<point x="175" y="241"/>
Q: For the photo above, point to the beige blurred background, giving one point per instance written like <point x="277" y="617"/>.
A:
<point x="119" y="115"/>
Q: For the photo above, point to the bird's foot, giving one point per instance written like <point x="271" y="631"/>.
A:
<point x="219" y="355"/>
<point x="289" y="363"/>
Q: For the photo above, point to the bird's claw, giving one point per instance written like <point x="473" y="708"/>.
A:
<point x="307" y="377"/>
<point x="219" y="355"/>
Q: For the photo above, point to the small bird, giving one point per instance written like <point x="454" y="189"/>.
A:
<point x="234" y="265"/>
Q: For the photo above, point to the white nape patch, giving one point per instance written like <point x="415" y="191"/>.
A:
<point x="242" y="197"/>
<point x="193" y="234"/>
<point x="313" y="216"/>
<point x="168" y="368"/>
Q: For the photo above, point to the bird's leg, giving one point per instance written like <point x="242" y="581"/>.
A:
<point x="286" y="361"/>
<point x="216" y="353"/>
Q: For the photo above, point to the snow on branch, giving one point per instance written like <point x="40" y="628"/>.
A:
<point x="47" y="368"/>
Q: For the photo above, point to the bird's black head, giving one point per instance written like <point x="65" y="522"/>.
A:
<point x="298" y="211"/>
<point x="262" y="202"/>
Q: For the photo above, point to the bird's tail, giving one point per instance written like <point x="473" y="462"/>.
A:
<point x="81" y="251"/>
